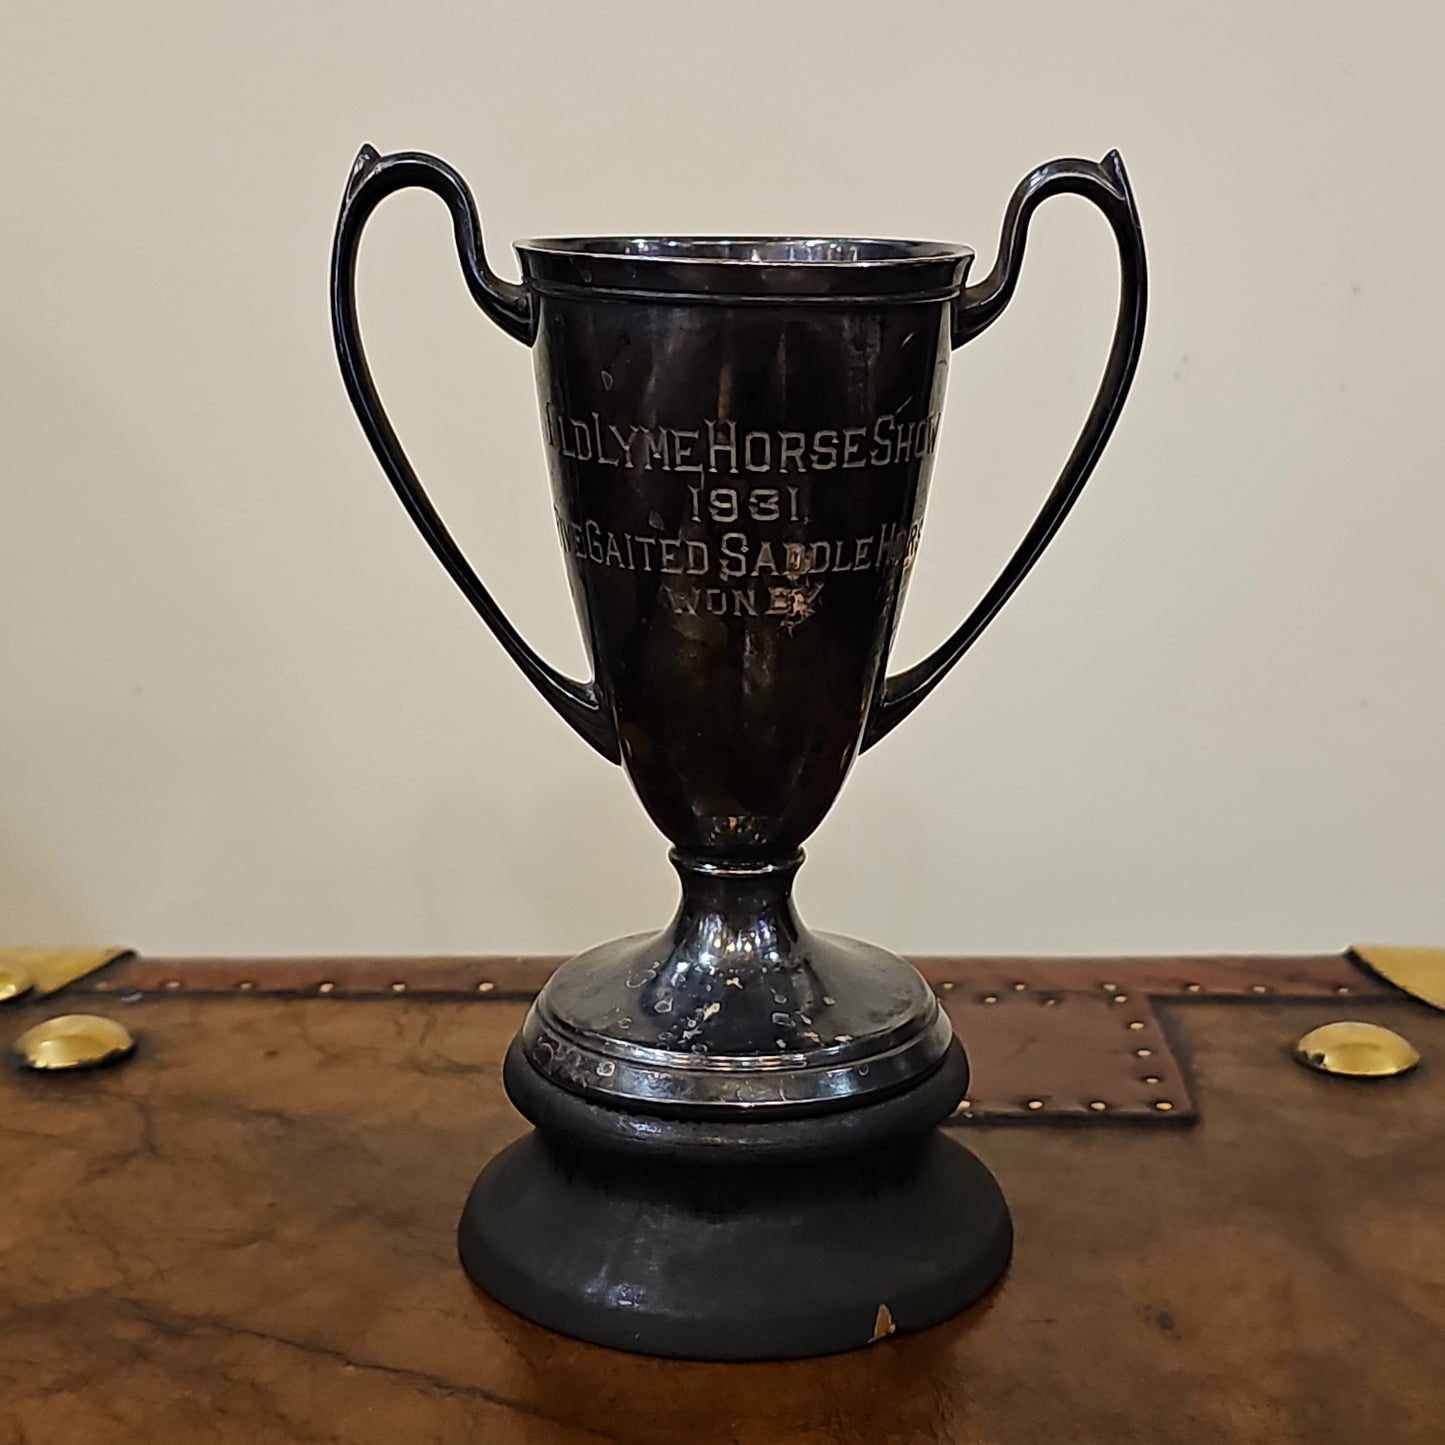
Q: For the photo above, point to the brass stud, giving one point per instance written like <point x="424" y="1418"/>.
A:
<point x="990" y="998"/>
<point x="485" y="986"/>
<point x="1163" y="1105"/>
<point x="1098" y="1106"/>
<point x="1121" y="998"/>
<point x="1035" y="1104"/>
<point x="1357" y="1050"/>
<point x="1020" y="987"/>
<point x="946" y="987"/>
<point x="964" y="1105"/>
<point x="398" y="987"/>
<point x="1108" y="987"/>
<point x="1051" y="1001"/>
<point x="171" y="983"/>
<point x="74" y="1041"/>
<point x="1151" y="1078"/>
<point x="1136" y="1024"/>
<point x="325" y="987"/>
<point x="1259" y="988"/>
<point x="245" y="984"/>
<point x="1143" y="1053"/>
<point x="1343" y="989"/>
<point x="1194" y="987"/>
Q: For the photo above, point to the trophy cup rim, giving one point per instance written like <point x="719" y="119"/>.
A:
<point x="782" y="249"/>
<point x="730" y="268"/>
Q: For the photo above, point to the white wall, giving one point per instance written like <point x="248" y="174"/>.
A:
<point x="244" y="710"/>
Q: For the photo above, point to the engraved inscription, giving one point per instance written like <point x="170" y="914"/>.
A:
<point x="726" y="447"/>
<point x="790" y="603"/>
<point x="737" y="554"/>
<point x="745" y="545"/>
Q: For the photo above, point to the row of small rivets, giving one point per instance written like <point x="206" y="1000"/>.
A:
<point x="948" y="986"/>
<point x="247" y="985"/>
<point x="1163" y="1106"/>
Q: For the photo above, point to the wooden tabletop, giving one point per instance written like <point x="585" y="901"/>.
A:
<point x="246" y="1234"/>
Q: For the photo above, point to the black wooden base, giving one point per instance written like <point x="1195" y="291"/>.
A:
<point x="723" y="1240"/>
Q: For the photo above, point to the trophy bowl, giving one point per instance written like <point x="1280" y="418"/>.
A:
<point x="736" y="1151"/>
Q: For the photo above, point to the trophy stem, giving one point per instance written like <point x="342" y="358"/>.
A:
<point x="734" y="917"/>
<point x="736" y="1005"/>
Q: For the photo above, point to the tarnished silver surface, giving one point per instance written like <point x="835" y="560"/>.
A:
<point x="740" y="433"/>
<point x="736" y="1004"/>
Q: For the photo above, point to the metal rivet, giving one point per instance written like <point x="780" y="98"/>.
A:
<point x="1163" y="1105"/>
<point x="1143" y="1053"/>
<point x="325" y="987"/>
<point x="1051" y="1001"/>
<point x="1108" y="987"/>
<point x="1151" y="1078"/>
<point x="398" y="987"/>
<point x="1121" y="998"/>
<point x="1194" y="987"/>
<point x="964" y="1105"/>
<point x="990" y="998"/>
<point x="1098" y="1106"/>
<point x="74" y="1041"/>
<point x="1035" y="1104"/>
<point x="1361" y="1050"/>
<point x="1020" y="987"/>
<point x="1259" y="988"/>
<point x="245" y="983"/>
<point x="943" y="988"/>
<point x="485" y="986"/>
<point x="1136" y="1025"/>
<point x="171" y="983"/>
<point x="1343" y="988"/>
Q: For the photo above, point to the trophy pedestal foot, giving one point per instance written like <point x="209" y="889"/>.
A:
<point x="736" y="1239"/>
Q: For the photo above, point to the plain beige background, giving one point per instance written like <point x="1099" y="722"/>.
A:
<point x="243" y="709"/>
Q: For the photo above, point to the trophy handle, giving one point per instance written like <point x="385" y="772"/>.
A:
<point x="373" y="178"/>
<point x="976" y="308"/>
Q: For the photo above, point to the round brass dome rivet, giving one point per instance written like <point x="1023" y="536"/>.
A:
<point x="74" y="1041"/>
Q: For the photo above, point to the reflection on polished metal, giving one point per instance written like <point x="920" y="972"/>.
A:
<point x="15" y="981"/>
<point x="1419" y="972"/>
<point x="49" y="969"/>
<point x="761" y="1011"/>
<point x="1359" y="1050"/>
<point x="740" y="434"/>
<point x="73" y="1041"/>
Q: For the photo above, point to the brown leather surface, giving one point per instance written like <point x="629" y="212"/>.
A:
<point x="1047" y="1037"/>
<point x="245" y="1235"/>
<point x="510" y="976"/>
